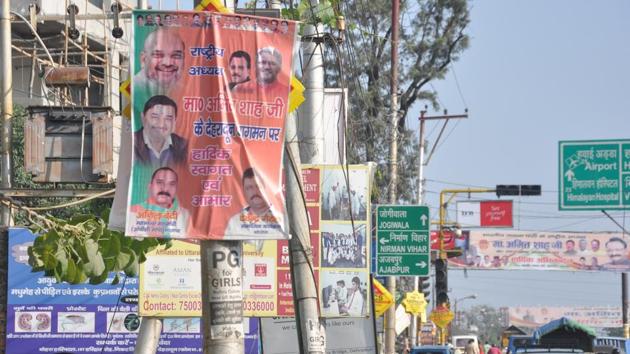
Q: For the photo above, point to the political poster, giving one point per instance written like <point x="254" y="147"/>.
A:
<point x="592" y="316"/>
<point x="534" y="250"/>
<point x="209" y="100"/>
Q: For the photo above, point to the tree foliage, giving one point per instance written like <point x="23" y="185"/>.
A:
<point x="432" y="35"/>
<point x="82" y="248"/>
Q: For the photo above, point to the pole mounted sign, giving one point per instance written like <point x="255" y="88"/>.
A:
<point x="402" y="240"/>
<point x="594" y="174"/>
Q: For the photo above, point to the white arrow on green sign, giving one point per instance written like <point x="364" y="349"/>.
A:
<point x="594" y="175"/>
<point x="402" y="247"/>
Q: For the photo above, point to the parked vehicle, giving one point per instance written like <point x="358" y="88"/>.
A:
<point x="432" y="349"/>
<point x="519" y="341"/>
<point x="460" y="342"/>
<point x="609" y="344"/>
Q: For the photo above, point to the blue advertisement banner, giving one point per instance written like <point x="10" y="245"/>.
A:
<point x="46" y="317"/>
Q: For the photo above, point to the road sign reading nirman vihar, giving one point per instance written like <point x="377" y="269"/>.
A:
<point x="594" y="175"/>
<point x="402" y="240"/>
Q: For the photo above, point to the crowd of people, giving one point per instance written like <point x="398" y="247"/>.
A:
<point x="339" y="204"/>
<point x="198" y="20"/>
<point x="343" y="250"/>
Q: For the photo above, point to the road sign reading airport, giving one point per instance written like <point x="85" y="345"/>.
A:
<point x="402" y="240"/>
<point x="594" y="175"/>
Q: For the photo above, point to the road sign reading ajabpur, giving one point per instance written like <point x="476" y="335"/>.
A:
<point x="594" y="174"/>
<point x="402" y="240"/>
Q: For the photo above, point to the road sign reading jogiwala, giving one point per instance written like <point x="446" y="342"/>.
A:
<point x="402" y="240"/>
<point x="594" y="174"/>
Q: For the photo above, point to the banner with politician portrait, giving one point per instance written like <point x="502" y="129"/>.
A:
<point x="534" y="250"/>
<point x="209" y="101"/>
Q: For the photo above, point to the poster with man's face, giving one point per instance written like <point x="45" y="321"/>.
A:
<point x="209" y="101"/>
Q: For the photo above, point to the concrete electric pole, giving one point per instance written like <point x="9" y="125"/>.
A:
<point x="311" y="335"/>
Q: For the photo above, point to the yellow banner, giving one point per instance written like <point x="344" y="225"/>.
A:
<point x="383" y="299"/>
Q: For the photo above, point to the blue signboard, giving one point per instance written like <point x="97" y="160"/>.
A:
<point x="46" y="317"/>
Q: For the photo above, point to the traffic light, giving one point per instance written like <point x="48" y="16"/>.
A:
<point x="515" y="189"/>
<point x="503" y="189"/>
<point x="425" y="287"/>
<point x="441" y="281"/>
<point x="530" y="189"/>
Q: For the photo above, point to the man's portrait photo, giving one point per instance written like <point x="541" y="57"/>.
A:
<point x="617" y="251"/>
<point x="156" y="144"/>
<point x="258" y="218"/>
<point x="160" y="212"/>
<point x="239" y="65"/>
<point x="162" y="64"/>
<point x="268" y="66"/>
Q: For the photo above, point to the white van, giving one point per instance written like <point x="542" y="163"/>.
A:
<point x="460" y="342"/>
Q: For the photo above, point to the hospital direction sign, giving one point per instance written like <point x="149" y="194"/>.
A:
<point x="594" y="175"/>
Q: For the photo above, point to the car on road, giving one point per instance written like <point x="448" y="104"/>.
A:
<point x="432" y="349"/>
<point x="461" y="341"/>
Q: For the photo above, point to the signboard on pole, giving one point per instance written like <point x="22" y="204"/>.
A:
<point x="594" y="175"/>
<point x="487" y="213"/>
<point x="402" y="240"/>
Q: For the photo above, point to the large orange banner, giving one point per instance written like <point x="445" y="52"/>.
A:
<point x="209" y="101"/>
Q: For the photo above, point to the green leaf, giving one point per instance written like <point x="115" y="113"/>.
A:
<point x="80" y="278"/>
<point x="105" y="215"/>
<point x="79" y="218"/>
<point x="116" y="280"/>
<point x="133" y="268"/>
<point x="96" y="265"/>
<point x="71" y="272"/>
<point x="113" y="248"/>
<point x="123" y="259"/>
<point x="98" y="279"/>
<point x="34" y="258"/>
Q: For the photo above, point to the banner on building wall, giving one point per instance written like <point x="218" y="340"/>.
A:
<point x="592" y="316"/>
<point x="532" y="250"/>
<point x="209" y="101"/>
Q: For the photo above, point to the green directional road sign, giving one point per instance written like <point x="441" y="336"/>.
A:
<point x="402" y="240"/>
<point x="594" y="175"/>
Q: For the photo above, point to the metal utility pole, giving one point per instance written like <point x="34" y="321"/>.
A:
<point x="390" y="314"/>
<point x="7" y="102"/>
<point x="311" y="334"/>
<point x="417" y="282"/>
<point x="624" y="305"/>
